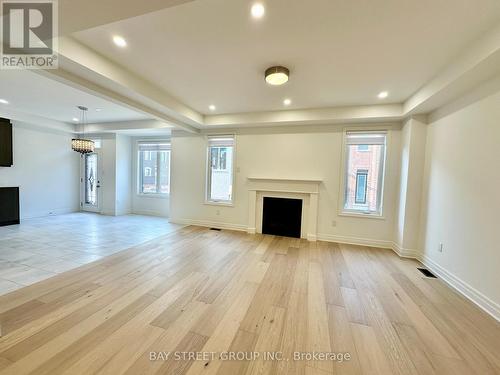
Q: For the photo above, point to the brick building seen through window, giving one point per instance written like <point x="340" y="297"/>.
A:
<point x="364" y="172"/>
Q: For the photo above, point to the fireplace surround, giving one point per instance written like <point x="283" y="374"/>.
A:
<point x="306" y="190"/>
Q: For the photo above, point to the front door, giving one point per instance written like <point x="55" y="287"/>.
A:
<point x="91" y="182"/>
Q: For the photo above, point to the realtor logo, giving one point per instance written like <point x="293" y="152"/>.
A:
<point x="29" y="34"/>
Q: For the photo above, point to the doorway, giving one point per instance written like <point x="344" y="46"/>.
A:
<point x="91" y="182"/>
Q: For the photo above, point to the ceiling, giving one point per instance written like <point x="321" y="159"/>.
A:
<point x="35" y="94"/>
<point x="145" y="132"/>
<point x="340" y="53"/>
<point x="184" y="55"/>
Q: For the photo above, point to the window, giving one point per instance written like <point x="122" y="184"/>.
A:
<point x="219" y="158"/>
<point x="361" y="179"/>
<point x="220" y="169"/>
<point x="364" y="172"/>
<point x="154" y="168"/>
<point x="97" y="143"/>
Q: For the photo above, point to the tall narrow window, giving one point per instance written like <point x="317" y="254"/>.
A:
<point x="361" y="180"/>
<point x="220" y="169"/>
<point x="154" y="168"/>
<point x="364" y="172"/>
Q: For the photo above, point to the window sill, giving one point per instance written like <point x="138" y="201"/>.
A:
<point x="215" y="203"/>
<point x="361" y="215"/>
<point x="157" y="196"/>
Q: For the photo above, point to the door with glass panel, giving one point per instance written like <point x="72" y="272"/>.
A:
<point x="91" y="182"/>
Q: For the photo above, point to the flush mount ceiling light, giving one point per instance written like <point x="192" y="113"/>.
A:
<point x="383" y="95"/>
<point x="3" y="101"/>
<point x="119" y="41"/>
<point x="80" y="144"/>
<point x="258" y="10"/>
<point x="277" y="75"/>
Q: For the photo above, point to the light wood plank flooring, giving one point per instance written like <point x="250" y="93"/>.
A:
<point x="202" y="291"/>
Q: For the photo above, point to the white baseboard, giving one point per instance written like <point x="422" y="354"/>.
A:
<point x="472" y="294"/>
<point x="475" y="296"/>
<point x="107" y="213"/>
<point x="311" y="237"/>
<point x="354" y="240"/>
<point x="489" y="306"/>
<point x="209" y="224"/>
<point x="148" y="213"/>
<point x="405" y="253"/>
<point x="54" y="212"/>
<point x="127" y="211"/>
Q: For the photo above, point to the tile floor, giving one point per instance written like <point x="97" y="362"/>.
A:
<point x="40" y="248"/>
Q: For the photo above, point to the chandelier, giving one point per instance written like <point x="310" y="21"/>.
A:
<point x="80" y="144"/>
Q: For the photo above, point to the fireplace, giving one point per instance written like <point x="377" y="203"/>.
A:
<point x="306" y="191"/>
<point x="282" y="216"/>
<point x="9" y="206"/>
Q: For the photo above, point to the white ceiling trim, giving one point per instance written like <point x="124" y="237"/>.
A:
<point x="112" y="127"/>
<point x="373" y="113"/>
<point x="478" y="63"/>
<point x="77" y="82"/>
<point x="103" y="68"/>
<point x="37" y="121"/>
<point x="81" y="15"/>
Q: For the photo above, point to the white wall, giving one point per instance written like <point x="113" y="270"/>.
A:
<point x="46" y="170"/>
<point x="116" y="173"/>
<point x="413" y="138"/>
<point x="119" y="190"/>
<point x="123" y="174"/>
<point x="403" y="184"/>
<point x="461" y="199"/>
<point x="316" y="154"/>
<point x="142" y="204"/>
<point x="108" y="174"/>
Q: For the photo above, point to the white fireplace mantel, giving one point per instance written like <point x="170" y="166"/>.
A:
<point x="299" y="188"/>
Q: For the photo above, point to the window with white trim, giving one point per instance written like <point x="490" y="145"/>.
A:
<point x="364" y="172"/>
<point x="220" y="169"/>
<point x="154" y="168"/>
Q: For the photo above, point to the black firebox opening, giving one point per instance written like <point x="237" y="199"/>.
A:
<point x="282" y="216"/>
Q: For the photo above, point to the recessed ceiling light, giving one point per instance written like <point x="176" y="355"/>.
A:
<point x="258" y="10"/>
<point x="383" y="95"/>
<point x="75" y="119"/>
<point x="277" y="75"/>
<point x="287" y="102"/>
<point x="98" y="109"/>
<point x="3" y="101"/>
<point x="212" y="107"/>
<point x="119" y="41"/>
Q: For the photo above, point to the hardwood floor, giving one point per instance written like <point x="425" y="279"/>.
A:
<point x="199" y="291"/>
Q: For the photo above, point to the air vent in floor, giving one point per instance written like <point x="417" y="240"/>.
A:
<point x="427" y="273"/>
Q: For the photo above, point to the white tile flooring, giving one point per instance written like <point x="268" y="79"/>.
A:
<point x="40" y="248"/>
